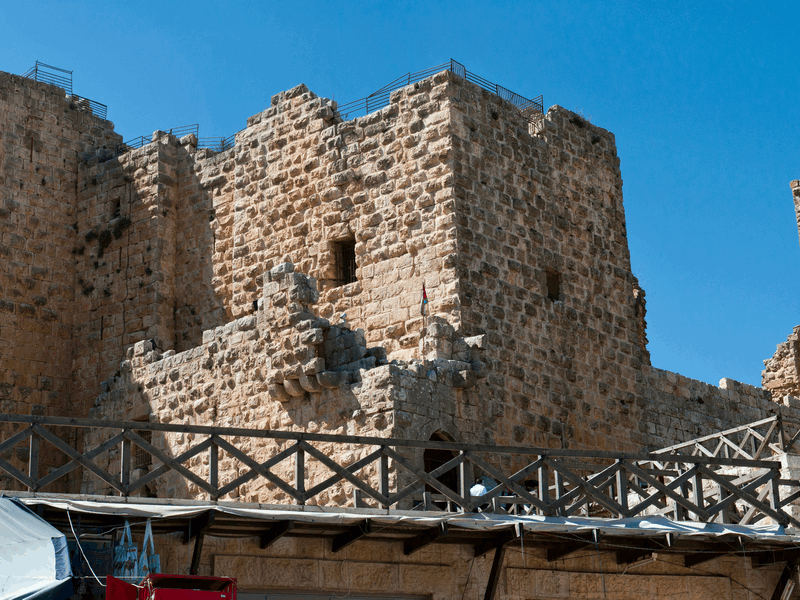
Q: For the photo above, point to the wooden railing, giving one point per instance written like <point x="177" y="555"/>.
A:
<point x="703" y="486"/>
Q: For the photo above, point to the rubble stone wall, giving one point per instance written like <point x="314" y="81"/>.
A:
<point x="42" y="137"/>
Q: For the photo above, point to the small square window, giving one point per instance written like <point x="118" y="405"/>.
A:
<point x="344" y="252"/>
<point x="553" y="279"/>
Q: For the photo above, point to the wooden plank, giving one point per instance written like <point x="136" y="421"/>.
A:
<point x="354" y="533"/>
<point x="33" y="462"/>
<point x="602" y="499"/>
<point x="665" y="491"/>
<point x="383" y="475"/>
<point x="198" y="550"/>
<point x="494" y="574"/>
<point x="274" y="533"/>
<point x="716" y="435"/>
<point x="745" y="496"/>
<point x="77" y="456"/>
<point x="356" y="466"/>
<point x="256" y="469"/>
<point x="425" y="478"/>
<point x="783" y="581"/>
<point x="500" y="539"/>
<point x="171" y="462"/>
<point x="511" y="485"/>
<point x="125" y="462"/>
<point x="365" y="440"/>
<point x="73" y="464"/>
<point x="698" y="558"/>
<point x="259" y="469"/>
<point x="583" y="540"/>
<point x="336" y="468"/>
<point x="199" y="524"/>
<point x="213" y="465"/>
<point x="165" y="468"/>
<point x="15" y="439"/>
<point x="16" y="473"/>
<point x="425" y="538"/>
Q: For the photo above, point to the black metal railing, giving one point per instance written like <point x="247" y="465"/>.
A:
<point x="50" y="74"/>
<point x="530" y="109"/>
<point x="63" y="79"/>
<point x="218" y="144"/>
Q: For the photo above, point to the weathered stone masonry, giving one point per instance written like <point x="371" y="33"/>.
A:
<point x="165" y="268"/>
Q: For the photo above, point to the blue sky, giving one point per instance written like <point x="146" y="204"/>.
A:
<point x="702" y="98"/>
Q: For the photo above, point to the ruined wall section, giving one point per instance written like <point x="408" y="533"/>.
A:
<point x="780" y="374"/>
<point x="298" y="183"/>
<point x="125" y="260"/>
<point x="282" y="368"/>
<point x="544" y="271"/>
<point x="42" y="135"/>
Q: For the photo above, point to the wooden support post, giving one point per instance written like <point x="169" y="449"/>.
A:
<point x="213" y="468"/>
<point x="198" y="550"/>
<point x="494" y="574"/>
<point x="125" y="463"/>
<point x="544" y="486"/>
<point x="383" y="475"/>
<point x="621" y="484"/>
<point x="33" y="461"/>
<point x="698" y="494"/>
<point x="300" y="472"/>
<point x="353" y="533"/>
<point x="464" y="484"/>
<point x="559" y="488"/>
<point x="425" y="538"/>
<point x="274" y="533"/>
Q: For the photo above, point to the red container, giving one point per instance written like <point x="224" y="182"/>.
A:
<point x="157" y="586"/>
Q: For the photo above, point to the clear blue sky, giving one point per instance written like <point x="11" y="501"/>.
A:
<point x="702" y="98"/>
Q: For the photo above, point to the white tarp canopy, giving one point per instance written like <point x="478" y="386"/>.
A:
<point x="650" y="526"/>
<point x="34" y="560"/>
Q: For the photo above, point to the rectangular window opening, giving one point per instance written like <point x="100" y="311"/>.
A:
<point x="553" y="279"/>
<point x="345" y="257"/>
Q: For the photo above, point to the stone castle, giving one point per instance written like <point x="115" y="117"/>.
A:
<point x="278" y="284"/>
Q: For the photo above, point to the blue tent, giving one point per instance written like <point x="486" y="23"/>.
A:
<point x="34" y="560"/>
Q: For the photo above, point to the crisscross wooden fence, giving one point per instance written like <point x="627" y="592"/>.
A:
<point x="734" y="476"/>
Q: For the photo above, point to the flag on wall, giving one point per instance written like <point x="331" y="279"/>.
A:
<point x="424" y="305"/>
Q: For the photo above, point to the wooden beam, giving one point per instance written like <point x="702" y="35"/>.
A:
<point x="274" y="533"/>
<point x="772" y="557"/>
<point x="501" y="539"/>
<point x="198" y="550"/>
<point x="783" y="580"/>
<point x="425" y="538"/>
<point x="494" y="574"/>
<point x="582" y="541"/>
<point x="354" y="532"/>
<point x="691" y="560"/>
<point x="198" y="525"/>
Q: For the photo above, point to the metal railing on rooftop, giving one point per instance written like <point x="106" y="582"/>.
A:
<point x="530" y="109"/>
<point x="63" y="79"/>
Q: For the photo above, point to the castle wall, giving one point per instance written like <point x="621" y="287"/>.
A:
<point x="42" y="135"/>
<point x="533" y="207"/>
<point x="517" y="232"/>
<point x="451" y="571"/>
<point x="297" y="183"/>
